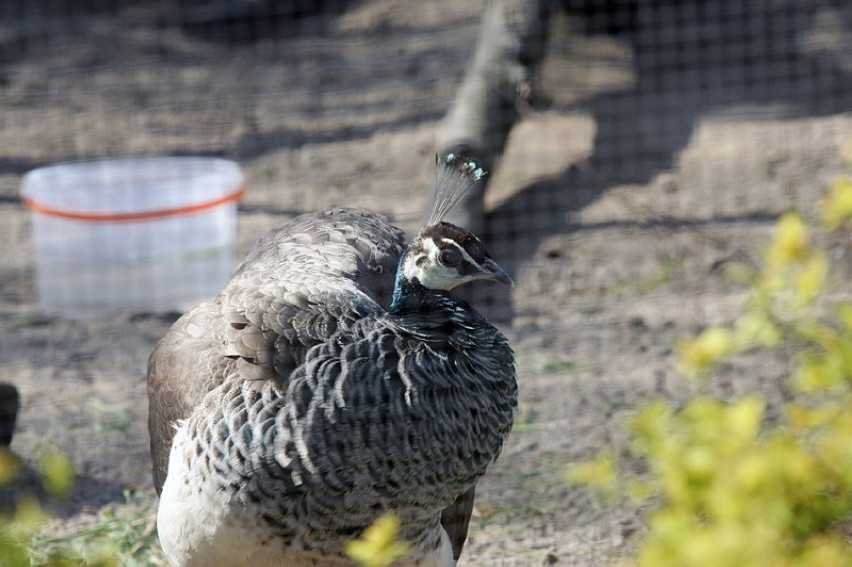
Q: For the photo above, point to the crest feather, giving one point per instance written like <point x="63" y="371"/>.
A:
<point x="455" y="176"/>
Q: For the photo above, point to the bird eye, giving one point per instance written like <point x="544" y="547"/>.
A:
<point x="450" y="257"/>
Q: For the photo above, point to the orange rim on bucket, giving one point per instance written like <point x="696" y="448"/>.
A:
<point x="136" y="216"/>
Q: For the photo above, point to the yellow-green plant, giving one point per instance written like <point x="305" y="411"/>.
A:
<point x="23" y="545"/>
<point x="19" y="526"/>
<point x="379" y="546"/>
<point x="726" y="487"/>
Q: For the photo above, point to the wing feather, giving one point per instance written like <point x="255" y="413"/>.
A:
<point x="296" y="286"/>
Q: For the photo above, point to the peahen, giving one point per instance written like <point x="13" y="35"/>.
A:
<point x="333" y="380"/>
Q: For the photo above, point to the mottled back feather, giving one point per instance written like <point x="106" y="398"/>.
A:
<point x="296" y="285"/>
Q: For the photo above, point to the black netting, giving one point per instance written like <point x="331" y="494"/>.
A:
<point x="637" y="150"/>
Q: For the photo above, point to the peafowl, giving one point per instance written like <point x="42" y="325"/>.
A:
<point x="333" y="380"/>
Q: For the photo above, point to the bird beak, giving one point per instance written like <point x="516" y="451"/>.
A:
<point x="491" y="270"/>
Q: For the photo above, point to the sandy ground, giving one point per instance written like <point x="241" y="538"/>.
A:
<point x="619" y="204"/>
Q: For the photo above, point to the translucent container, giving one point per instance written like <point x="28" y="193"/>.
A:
<point x="138" y="234"/>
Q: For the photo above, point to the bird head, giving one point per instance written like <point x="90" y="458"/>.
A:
<point x="442" y="255"/>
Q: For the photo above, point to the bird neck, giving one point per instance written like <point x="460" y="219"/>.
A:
<point x="409" y="294"/>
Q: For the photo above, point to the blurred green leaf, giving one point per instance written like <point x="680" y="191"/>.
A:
<point x="57" y="472"/>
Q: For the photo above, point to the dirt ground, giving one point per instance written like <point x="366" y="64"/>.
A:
<point x="613" y="262"/>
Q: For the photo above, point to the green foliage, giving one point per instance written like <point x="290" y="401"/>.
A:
<point x="734" y="493"/>
<point x="16" y="531"/>
<point x="725" y="486"/>
<point x="124" y="535"/>
<point x="57" y="473"/>
<point x="118" y="538"/>
<point x="19" y="526"/>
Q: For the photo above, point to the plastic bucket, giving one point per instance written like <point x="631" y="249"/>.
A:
<point x="138" y="234"/>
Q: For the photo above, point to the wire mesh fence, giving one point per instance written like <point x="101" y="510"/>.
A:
<point x="643" y="147"/>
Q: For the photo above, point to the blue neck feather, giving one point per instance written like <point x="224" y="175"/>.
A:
<point x="404" y="291"/>
<point x="410" y="295"/>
